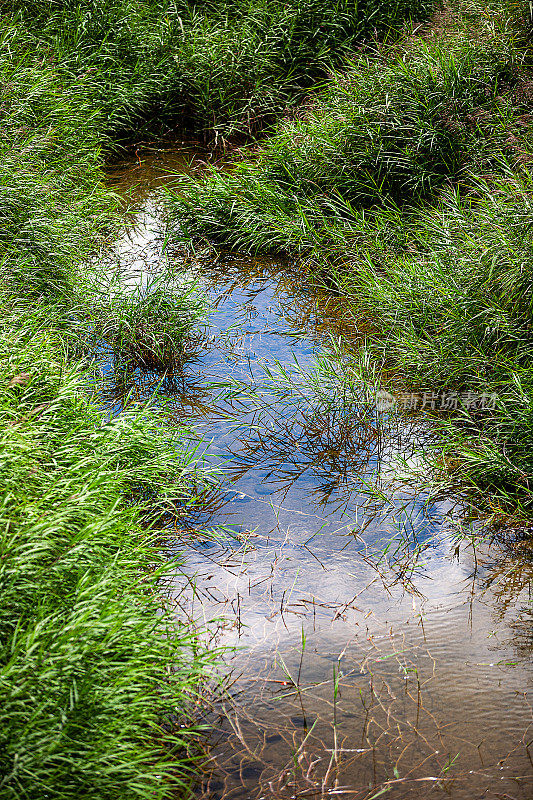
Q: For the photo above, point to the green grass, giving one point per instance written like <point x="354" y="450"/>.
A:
<point x="99" y="678"/>
<point x="151" y="326"/>
<point x="92" y="664"/>
<point x="387" y="131"/>
<point x="223" y="71"/>
<point x="407" y="184"/>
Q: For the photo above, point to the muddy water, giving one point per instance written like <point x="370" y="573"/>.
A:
<point x="346" y="674"/>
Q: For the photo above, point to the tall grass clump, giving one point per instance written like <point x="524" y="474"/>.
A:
<point x="154" y="325"/>
<point x="452" y="304"/>
<point x="99" y="678"/>
<point x="407" y="184"/>
<point x="385" y="132"/>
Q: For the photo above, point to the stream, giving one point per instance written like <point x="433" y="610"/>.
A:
<point x="347" y="674"/>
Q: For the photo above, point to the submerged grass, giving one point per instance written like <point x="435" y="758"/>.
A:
<point x="407" y="184"/>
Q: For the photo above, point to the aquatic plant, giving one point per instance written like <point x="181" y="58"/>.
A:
<point x="151" y="326"/>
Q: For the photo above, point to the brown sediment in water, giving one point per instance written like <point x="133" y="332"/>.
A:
<point x="353" y="674"/>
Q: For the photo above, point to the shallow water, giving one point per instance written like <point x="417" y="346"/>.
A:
<point x="349" y="678"/>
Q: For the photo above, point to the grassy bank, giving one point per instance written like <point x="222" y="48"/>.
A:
<point x="98" y="679"/>
<point x="223" y="71"/>
<point x="407" y="183"/>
